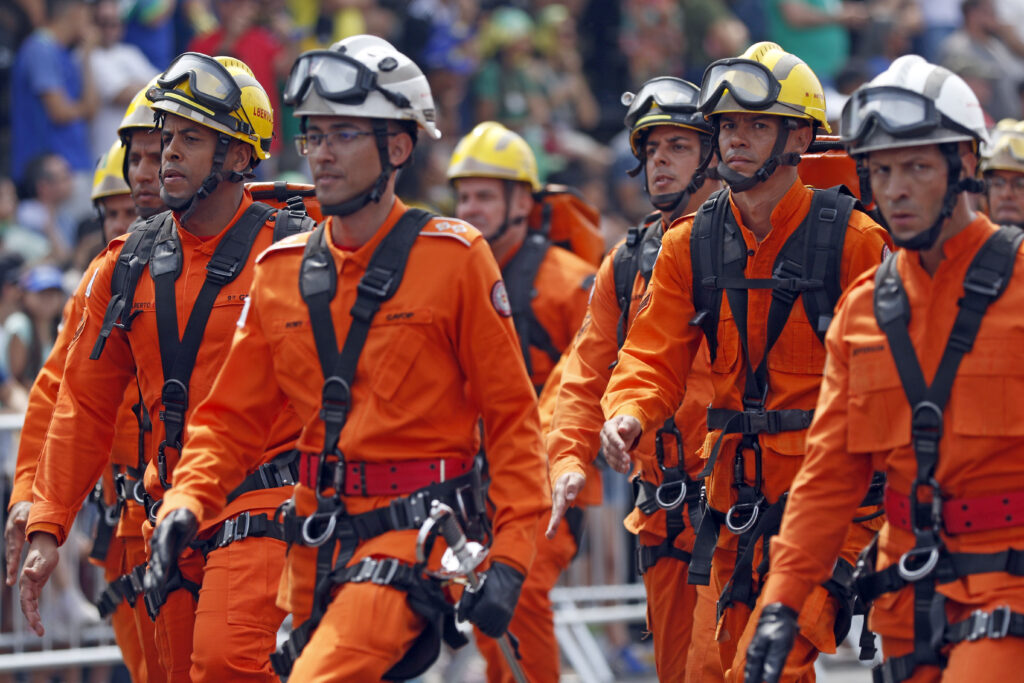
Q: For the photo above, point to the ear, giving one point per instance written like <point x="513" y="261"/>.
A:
<point x="238" y="157"/>
<point x="522" y="199"/>
<point x="969" y="159"/>
<point x="399" y="148"/>
<point x="802" y="136"/>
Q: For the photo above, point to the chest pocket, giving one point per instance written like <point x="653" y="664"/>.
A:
<point x="878" y="414"/>
<point x="798" y="349"/>
<point x="988" y="393"/>
<point x="395" y="343"/>
<point x="728" y="344"/>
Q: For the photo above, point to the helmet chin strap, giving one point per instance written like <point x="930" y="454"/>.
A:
<point x="375" y="191"/>
<point x="507" y="223"/>
<point x="184" y="208"/>
<point x="738" y="182"/>
<point x="674" y="203"/>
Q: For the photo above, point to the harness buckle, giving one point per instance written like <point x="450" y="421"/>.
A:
<point x="385" y="570"/>
<point x="153" y="509"/>
<point x="235" y="529"/>
<point x="308" y="539"/>
<point x="913" y="575"/>
<point x="926" y="427"/>
<point x="221" y="270"/>
<point x="375" y="283"/>
<point x="666" y="503"/>
<point x="754" y="512"/>
<point x="984" y="282"/>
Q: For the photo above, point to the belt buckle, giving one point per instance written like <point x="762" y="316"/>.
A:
<point x="994" y="625"/>
<point x="366" y="570"/>
<point x="385" y="570"/>
<point x="235" y="529"/>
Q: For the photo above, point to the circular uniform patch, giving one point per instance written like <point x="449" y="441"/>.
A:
<point x="499" y="299"/>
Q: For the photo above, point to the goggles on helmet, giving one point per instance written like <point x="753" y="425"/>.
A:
<point x="897" y="111"/>
<point x="1011" y="142"/>
<point x="209" y="80"/>
<point x="750" y="83"/>
<point x="671" y="94"/>
<point x="336" y="77"/>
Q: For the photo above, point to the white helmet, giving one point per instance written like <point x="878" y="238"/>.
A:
<point x="362" y="76"/>
<point x="911" y="103"/>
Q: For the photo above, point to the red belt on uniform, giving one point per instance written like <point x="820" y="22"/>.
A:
<point x="962" y="515"/>
<point x="385" y="478"/>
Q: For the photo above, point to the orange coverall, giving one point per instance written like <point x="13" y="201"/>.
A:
<point x="652" y="373"/>
<point x="410" y="401"/>
<point x="573" y="446"/>
<point x="235" y="623"/>
<point x="133" y="629"/>
<point x="862" y="423"/>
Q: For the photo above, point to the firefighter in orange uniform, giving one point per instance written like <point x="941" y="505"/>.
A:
<point x="216" y="126"/>
<point x="920" y="383"/>
<point x="1002" y="164"/>
<point x="757" y="270"/>
<point x="494" y="173"/>
<point x="669" y="138"/>
<point x="390" y="423"/>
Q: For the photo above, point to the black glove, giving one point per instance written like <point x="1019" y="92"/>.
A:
<point x="170" y="538"/>
<point x="766" y="656"/>
<point x="491" y="607"/>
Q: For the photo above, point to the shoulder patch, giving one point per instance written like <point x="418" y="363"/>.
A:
<point x="499" y="299"/>
<point x="290" y="243"/>
<point x="451" y="227"/>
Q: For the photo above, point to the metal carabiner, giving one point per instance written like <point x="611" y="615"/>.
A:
<point x="675" y="502"/>
<point x="755" y="512"/>
<point x="912" y="575"/>
<point x="316" y="541"/>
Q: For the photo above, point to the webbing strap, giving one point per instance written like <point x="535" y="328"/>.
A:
<point x="282" y="470"/>
<point x="636" y="256"/>
<point x="519" y="275"/>
<point x="178" y="355"/>
<point x="239" y="527"/>
<point x="125" y="588"/>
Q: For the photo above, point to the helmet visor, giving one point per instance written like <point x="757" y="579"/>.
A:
<point x="750" y="83"/>
<point x="673" y="95"/>
<point x="210" y="82"/>
<point x="336" y="77"/>
<point x="898" y="112"/>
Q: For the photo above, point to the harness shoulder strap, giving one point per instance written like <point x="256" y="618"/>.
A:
<point x="520" y="274"/>
<point x="828" y="217"/>
<point x="706" y="255"/>
<point x="293" y="219"/>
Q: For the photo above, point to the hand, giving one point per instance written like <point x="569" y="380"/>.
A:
<point x="39" y="564"/>
<point x="618" y="436"/>
<point x="491" y="607"/>
<point x="766" y="656"/>
<point x="14" y="538"/>
<point x="566" y="489"/>
<point x="170" y="538"/>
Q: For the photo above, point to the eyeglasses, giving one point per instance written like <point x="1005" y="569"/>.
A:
<point x="336" y="77"/>
<point x="336" y="139"/>
<point x="671" y="94"/>
<point x="210" y="82"/>
<point x="750" y="83"/>
<point x="996" y="182"/>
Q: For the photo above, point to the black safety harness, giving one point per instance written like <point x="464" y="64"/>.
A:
<point x="519" y="275"/>
<point x="808" y="267"/>
<point x="338" y="534"/>
<point x="676" y="492"/>
<point x="928" y="563"/>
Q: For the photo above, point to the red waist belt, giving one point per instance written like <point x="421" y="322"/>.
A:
<point x="384" y="478"/>
<point x="961" y="515"/>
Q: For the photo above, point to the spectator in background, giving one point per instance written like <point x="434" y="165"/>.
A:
<point x="29" y="333"/>
<point x="651" y="38"/>
<point x="149" y="25"/>
<point x="506" y="88"/>
<point x="13" y="396"/>
<point x="118" y="70"/>
<point x="817" y="31"/>
<point x="941" y="18"/>
<point x="53" y="97"/>
<point x="47" y="227"/>
<point x="16" y="23"/>
<point x="712" y="32"/>
<point x="981" y="41"/>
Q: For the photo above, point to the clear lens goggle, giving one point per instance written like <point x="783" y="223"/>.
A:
<point x="669" y="93"/>
<point x="210" y="82"/>
<point x="336" y="77"/>
<point x="897" y="111"/>
<point x="1011" y="142"/>
<point x="750" y="83"/>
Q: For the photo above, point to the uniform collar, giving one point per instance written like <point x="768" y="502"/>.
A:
<point x="362" y="255"/>
<point x="958" y="248"/>
<point x="192" y="241"/>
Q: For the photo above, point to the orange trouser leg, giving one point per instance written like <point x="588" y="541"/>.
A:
<point x="176" y="623"/>
<point x="533" y="621"/>
<point x="671" y="603"/>
<point x="702" y="662"/>
<point x="897" y="647"/>
<point x="134" y="555"/>
<point x="123" y="619"/>
<point x="799" y="664"/>
<point x="366" y="630"/>
<point x="237" y="619"/>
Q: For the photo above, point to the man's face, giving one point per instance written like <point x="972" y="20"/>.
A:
<point x="56" y="187"/>
<point x="908" y="183"/>
<point x="144" y="171"/>
<point x="481" y="202"/>
<point x="745" y="141"/>
<point x="108" y="21"/>
<point x="1005" y="196"/>
<point x="118" y="214"/>
<point x="342" y="168"/>
<point x="671" y="156"/>
<point x="187" y="158"/>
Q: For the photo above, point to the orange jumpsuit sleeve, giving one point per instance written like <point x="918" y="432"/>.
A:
<point x="489" y="354"/>
<point x="81" y="433"/>
<point x="227" y="433"/>
<point x="573" y="441"/>
<point x="649" y="380"/>
<point x="828" y="488"/>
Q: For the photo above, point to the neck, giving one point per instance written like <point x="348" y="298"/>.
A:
<point x="757" y="203"/>
<point x="963" y="215"/>
<point x="355" y="230"/>
<point x="215" y="212"/>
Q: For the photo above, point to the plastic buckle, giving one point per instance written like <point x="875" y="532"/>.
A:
<point x="375" y="283"/>
<point x="385" y="570"/>
<point x="220" y="270"/>
<point x="976" y="282"/>
<point x="926" y="427"/>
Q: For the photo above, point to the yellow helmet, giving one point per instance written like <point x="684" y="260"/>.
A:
<point x="765" y="79"/>
<point x="108" y="180"/>
<point x="491" y="150"/>
<point x="1006" y="153"/>
<point x="139" y="114"/>
<point x="220" y="93"/>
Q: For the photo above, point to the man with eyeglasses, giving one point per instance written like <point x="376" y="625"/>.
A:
<point x="160" y="311"/>
<point x="1002" y="164"/>
<point x="755" y="272"/>
<point x="388" y="331"/>
<point x="923" y="382"/>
